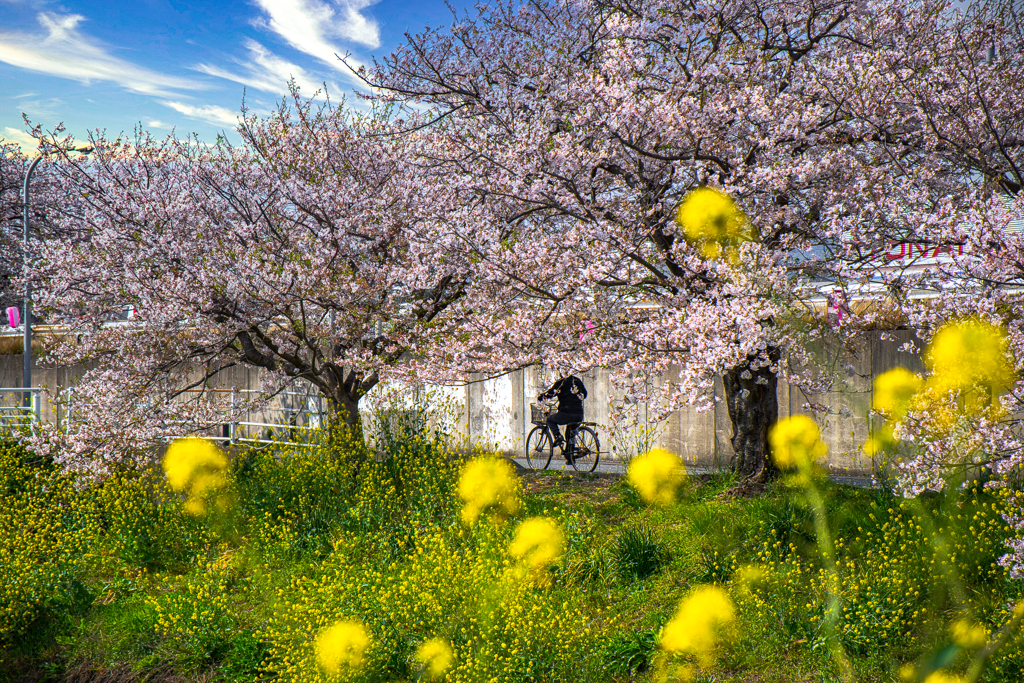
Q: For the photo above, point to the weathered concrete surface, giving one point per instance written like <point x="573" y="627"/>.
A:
<point x="496" y="412"/>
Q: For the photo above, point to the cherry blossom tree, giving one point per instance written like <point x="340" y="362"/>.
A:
<point x="572" y="132"/>
<point x="292" y="253"/>
<point x="956" y="81"/>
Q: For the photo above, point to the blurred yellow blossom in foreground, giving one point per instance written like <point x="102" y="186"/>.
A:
<point x="895" y="390"/>
<point x="968" y="354"/>
<point x="657" y="475"/>
<point x="968" y="635"/>
<point x="538" y="544"/>
<point x="694" y="628"/>
<point x="943" y="677"/>
<point x="195" y="467"/>
<point x="488" y="484"/>
<point x="342" y="646"/>
<point x="436" y="656"/>
<point x="795" y="442"/>
<point x="712" y="219"/>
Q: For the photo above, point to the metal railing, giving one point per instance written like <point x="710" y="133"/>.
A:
<point x="16" y="412"/>
<point x="303" y="411"/>
<point x="306" y="413"/>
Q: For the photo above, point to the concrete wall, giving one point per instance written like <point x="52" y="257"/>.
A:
<point x="497" y="411"/>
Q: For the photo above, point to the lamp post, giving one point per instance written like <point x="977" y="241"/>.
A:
<point x="26" y="376"/>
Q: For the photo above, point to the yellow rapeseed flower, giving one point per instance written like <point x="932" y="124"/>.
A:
<point x="436" y="656"/>
<point x="190" y="461"/>
<point x="538" y="544"/>
<point x="694" y="628"/>
<point x="196" y="467"/>
<point x="968" y="635"/>
<point x="342" y="646"/>
<point x="795" y="442"/>
<point x="712" y="219"/>
<point x="943" y="677"/>
<point x="970" y="353"/>
<point x="657" y="475"/>
<point x="749" y="575"/>
<point x="488" y="484"/>
<point x="894" y="391"/>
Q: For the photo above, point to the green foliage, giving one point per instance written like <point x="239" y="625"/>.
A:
<point x="117" y="572"/>
<point x="631" y="652"/>
<point x="41" y="549"/>
<point x="636" y="554"/>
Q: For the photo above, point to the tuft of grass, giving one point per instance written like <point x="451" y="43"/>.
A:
<point x="631" y="653"/>
<point x="636" y="554"/>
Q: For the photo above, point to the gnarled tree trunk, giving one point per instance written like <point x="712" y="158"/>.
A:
<point x="343" y="395"/>
<point x="751" y="396"/>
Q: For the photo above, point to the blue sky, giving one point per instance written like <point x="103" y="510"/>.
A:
<point x="183" y="64"/>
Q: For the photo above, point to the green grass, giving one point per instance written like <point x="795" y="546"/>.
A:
<point x="235" y="598"/>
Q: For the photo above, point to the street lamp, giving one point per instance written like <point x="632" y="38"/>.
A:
<point x="26" y="376"/>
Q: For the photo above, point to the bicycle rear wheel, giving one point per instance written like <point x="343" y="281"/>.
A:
<point x="538" y="448"/>
<point x="587" y="450"/>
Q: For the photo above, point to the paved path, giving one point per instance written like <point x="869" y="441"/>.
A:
<point x="618" y="467"/>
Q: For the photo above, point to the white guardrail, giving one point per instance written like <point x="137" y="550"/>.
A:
<point x="288" y="418"/>
<point x="13" y="408"/>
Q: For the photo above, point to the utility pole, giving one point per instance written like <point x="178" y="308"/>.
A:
<point x="26" y="375"/>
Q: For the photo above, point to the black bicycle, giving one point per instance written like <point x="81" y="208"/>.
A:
<point x="581" y="448"/>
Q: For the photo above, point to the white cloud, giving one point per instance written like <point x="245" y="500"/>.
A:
<point x="27" y="143"/>
<point x="211" y="113"/>
<point x="265" y="71"/>
<point x="156" y="123"/>
<point x="67" y="53"/>
<point x="310" y="26"/>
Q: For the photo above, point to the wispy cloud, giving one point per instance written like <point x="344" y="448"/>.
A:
<point x="265" y="71"/>
<point x="312" y="26"/>
<point x="211" y="113"/>
<point x="66" y="52"/>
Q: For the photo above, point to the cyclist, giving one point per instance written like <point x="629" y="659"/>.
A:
<point x="570" y="392"/>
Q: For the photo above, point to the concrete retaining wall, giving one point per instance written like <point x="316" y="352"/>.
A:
<point x="496" y="411"/>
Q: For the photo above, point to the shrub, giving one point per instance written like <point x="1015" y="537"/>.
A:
<point x="40" y="546"/>
<point x="195" y="618"/>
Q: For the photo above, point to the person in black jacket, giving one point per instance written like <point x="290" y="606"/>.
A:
<point x="570" y="392"/>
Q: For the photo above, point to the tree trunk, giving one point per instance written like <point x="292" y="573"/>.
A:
<point x="344" y="409"/>
<point x="752" y="399"/>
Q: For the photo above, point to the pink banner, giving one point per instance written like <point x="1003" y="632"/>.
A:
<point x="13" y="316"/>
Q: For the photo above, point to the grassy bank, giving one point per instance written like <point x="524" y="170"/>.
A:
<point x="119" y="576"/>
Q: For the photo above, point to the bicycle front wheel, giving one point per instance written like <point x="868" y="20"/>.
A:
<point x="538" y="449"/>
<point x="587" y="450"/>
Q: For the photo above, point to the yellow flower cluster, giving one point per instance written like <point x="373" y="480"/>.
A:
<point x="197" y="468"/>
<point x="967" y="359"/>
<point x="40" y="553"/>
<point x="970" y="354"/>
<point x="889" y="565"/>
<point x="711" y="219"/>
<point x="342" y="646"/>
<point x="657" y="475"/>
<point x="538" y="544"/>
<point x="697" y="624"/>
<point x="496" y="626"/>
<point x="796" y="443"/>
<point x="197" y="616"/>
<point x="968" y="635"/>
<point x="895" y="390"/>
<point x="488" y="485"/>
<point x="435" y="656"/>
